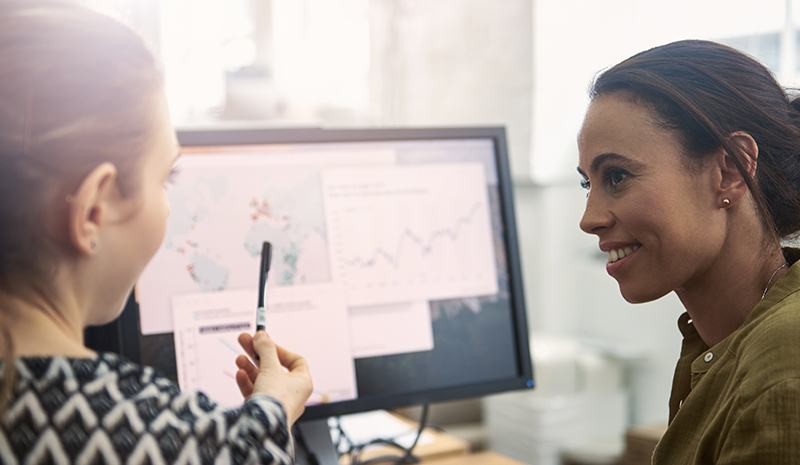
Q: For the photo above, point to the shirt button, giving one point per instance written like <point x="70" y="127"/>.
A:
<point x="708" y="357"/>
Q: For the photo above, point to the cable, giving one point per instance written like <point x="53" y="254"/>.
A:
<point x="407" y="452"/>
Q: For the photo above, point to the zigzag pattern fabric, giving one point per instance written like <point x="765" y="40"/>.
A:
<point x="108" y="410"/>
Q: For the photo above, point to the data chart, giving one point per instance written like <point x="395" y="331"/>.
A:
<point x="410" y="232"/>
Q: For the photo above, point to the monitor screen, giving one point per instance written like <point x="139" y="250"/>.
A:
<point x="395" y="267"/>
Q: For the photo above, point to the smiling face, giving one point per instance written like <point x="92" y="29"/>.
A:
<point x="656" y="217"/>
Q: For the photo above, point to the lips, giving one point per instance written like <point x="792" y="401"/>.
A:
<point x="619" y="255"/>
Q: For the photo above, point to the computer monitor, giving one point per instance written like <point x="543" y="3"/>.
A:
<point x="395" y="270"/>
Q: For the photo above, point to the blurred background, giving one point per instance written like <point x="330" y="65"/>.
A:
<point x="603" y="366"/>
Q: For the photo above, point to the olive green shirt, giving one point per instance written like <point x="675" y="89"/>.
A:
<point x="739" y="401"/>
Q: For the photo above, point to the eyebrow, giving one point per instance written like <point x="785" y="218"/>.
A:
<point x="607" y="157"/>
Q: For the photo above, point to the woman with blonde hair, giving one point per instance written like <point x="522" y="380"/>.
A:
<point x="86" y="148"/>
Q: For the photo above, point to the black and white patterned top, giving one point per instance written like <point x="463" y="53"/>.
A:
<point x="108" y="410"/>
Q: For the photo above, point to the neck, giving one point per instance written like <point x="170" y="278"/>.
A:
<point x="720" y="301"/>
<point x="38" y="328"/>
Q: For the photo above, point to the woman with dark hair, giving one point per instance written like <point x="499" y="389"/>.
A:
<point x="86" y="148"/>
<point x="690" y="154"/>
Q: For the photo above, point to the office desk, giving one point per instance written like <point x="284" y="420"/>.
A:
<point x="442" y="445"/>
<point x="444" y="449"/>
<point x="463" y="458"/>
<point x="479" y="458"/>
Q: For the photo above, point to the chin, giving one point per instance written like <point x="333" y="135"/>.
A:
<point x="639" y="296"/>
<point x="118" y="309"/>
<point x="111" y="313"/>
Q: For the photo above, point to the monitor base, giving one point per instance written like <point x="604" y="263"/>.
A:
<point x="317" y="439"/>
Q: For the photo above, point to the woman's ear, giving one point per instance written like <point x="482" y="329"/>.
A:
<point x="732" y="185"/>
<point x="90" y="206"/>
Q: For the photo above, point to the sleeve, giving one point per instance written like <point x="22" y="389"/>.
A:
<point x="260" y="425"/>
<point x="188" y="427"/>
<point x="256" y="432"/>
<point x="767" y="430"/>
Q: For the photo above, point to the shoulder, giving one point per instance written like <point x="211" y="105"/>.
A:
<point x="775" y="329"/>
<point x="79" y="405"/>
<point x="108" y="388"/>
<point x="767" y="429"/>
<point x="768" y="348"/>
<point x="107" y="383"/>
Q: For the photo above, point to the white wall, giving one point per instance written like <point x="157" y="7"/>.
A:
<point x="575" y="39"/>
<point x="454" y="62"/>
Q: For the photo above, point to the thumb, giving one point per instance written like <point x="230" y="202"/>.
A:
<point x="267" y="351"/>
<point x="292" y="361"/>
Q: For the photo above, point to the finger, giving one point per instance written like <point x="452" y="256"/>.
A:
<point x="244" y="363"/>
<point x="266" y="350"/>
<point x="246" y="341"/>
<point x="292" y="361"/>
<point x="244" y="383"/>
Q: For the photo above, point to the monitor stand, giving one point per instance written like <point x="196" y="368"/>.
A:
<point x="317" y="437"/>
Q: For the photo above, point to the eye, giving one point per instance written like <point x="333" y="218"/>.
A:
<point x="614" y="177"/>
<point x="584" y="183"/>
<point x="173" y="175"/>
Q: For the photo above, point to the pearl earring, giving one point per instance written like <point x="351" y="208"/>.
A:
<point x="726" y="202"/>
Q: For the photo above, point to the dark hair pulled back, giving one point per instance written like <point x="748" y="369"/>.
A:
<point x="706" y="91"/>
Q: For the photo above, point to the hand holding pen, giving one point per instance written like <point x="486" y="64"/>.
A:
<point x="280" y="374"/>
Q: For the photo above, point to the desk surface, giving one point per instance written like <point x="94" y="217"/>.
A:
<point x="466" y="458"/>
<point x="442" y="445"/>
<point x="444" y="449"/>
<point x="480" y="458"/>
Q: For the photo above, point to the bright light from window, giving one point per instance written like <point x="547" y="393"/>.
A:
<point x="575" y="39"/>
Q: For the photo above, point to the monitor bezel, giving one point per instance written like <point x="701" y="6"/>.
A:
<point x="126" y="341"/>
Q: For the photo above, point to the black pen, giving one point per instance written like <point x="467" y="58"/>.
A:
<point x="266" y="260"/>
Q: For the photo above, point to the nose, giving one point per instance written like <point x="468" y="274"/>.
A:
<point x="596" y="216"/>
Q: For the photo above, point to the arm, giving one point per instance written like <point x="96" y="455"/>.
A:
<point x="256" y="432"/>
<point x="189" y="426"/>
<point x="144" y="417"/>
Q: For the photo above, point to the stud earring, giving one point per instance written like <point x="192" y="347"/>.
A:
<point x="726" y="202"/>
<point x="92" y="245"/>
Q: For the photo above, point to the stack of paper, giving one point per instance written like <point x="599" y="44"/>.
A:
<point x="537" y="430"/>
<point x="579" y="399"/>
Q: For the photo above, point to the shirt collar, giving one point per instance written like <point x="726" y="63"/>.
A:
<point x="694" y="350"/>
